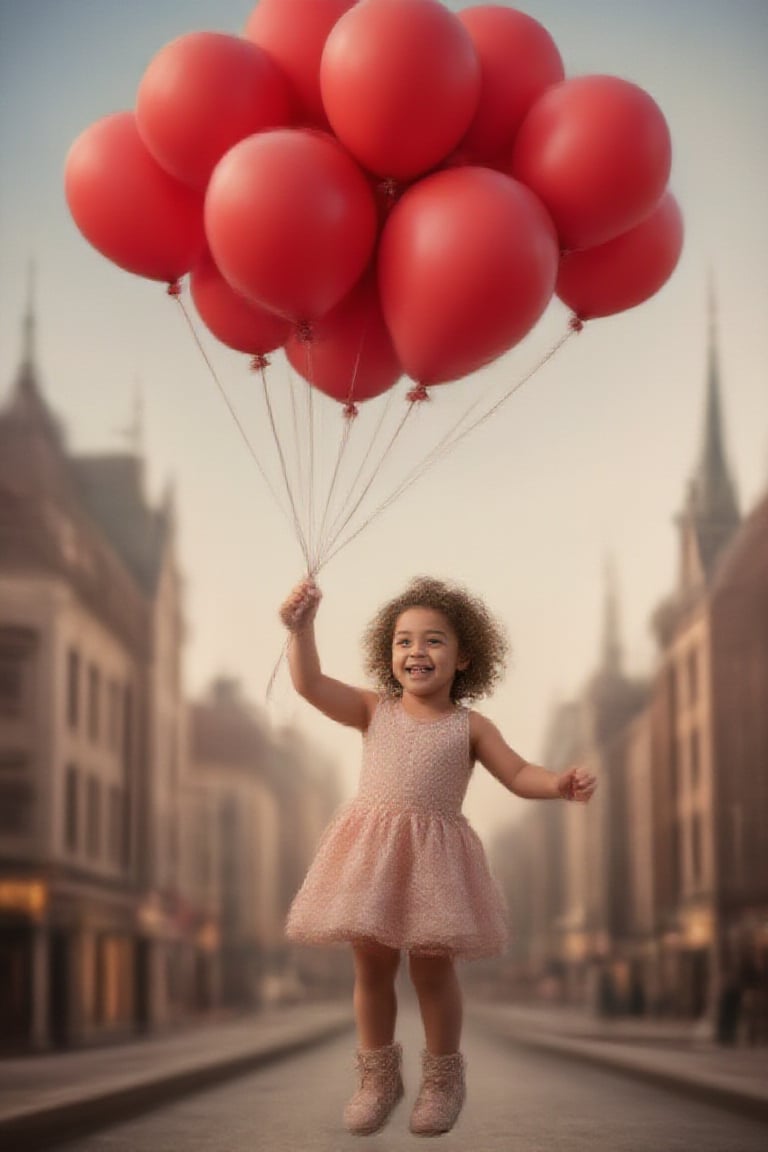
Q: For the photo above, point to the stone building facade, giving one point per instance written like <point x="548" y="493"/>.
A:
<point x="112" y="918"/>
<point x="256" y="803"/>
<point x="662" y="902"/>
<point x="90" y="732"/>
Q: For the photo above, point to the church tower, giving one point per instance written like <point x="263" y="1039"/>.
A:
<point x="611" y="641"/>
<point x="711" y="515"/>
<point x="32" y="448"/>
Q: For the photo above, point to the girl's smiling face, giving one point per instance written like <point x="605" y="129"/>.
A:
<point x="425" y="653"/>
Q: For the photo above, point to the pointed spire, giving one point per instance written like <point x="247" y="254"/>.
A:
<point x="133" y="432"/>
<point x="30" y="325"/>
<point x="713" y="504"/>
<point x="611" y="654"/>
<point x="27" y="401"/>
<point x="713" y="452"/>
<point x="27" y="388"/>
<point x="32" y="435"/>
<point x="169" y="503"/>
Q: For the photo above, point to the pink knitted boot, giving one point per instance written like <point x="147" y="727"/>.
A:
<point x="441" y="1095"/>
<point x="381" y="1087"/>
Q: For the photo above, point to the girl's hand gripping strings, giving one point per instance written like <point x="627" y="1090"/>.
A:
<point x="300" y="608"/>
<point x="576" y="784"/>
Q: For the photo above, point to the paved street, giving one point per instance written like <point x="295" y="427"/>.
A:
<point x="519" y="1101"/>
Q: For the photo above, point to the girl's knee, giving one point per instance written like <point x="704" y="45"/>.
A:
<point x="375" y="962"/>
<point x="430" y="971"/>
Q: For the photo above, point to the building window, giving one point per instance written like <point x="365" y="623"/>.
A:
<point x="71" y="808"/>
<point x="673" y="769"/>
<point x="14" y="760"/>
<point x="693" y="677"/>
<point x="672" y="689"/>
<point x="94" y="693"/>
<point x="696" y="854"/>
<point x="737" y="843"/>
<point x="115" y="825"/>
<point x="674" y="859"/>
<point x="229" y="863"/>
<point x="17" y="805"/>
<point x="73" y="688"/>
<point x="92" y="817"/>
<point x="694" y="755"/>
<point x="16" y="648"/>
<point x="127" y="729"/>
<point x="201" y="852"/>
<point x="11" y="685"/>
<point x="114" y="716"/>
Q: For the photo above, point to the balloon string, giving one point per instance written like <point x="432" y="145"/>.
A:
<point x="387" y="449"/>
<point x="298" y="528"/>
<point x="353" y="486"/>
<point x="450" y="440"/>
<point x="350" y="414"/>
<point x="274" y="673"/>
<point x="223" y="393"/>
<point x="310" y="392"/>
<point x="574" y="327"/>
<point x="343" y="443"/>
<point x="297" y="444"/>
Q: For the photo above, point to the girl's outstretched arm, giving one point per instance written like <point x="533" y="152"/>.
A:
<point x="530" y="781"/>
<point x="342" y="702"/>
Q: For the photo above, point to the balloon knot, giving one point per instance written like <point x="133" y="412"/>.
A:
<point x="351" y="410"/>
<point x="259" y="362"/>
<point x="576" y="323"/>
<point x="417" y="394"/>
<point x="390" y="188"/>
<point x="174" y="288"/>
<point x="304" y="332"/>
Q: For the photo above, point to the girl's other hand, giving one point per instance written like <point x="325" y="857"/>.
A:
<point x="299" y="609"/>
<point x="576" y="784"/>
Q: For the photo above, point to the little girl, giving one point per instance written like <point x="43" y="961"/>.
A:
<point x="399" y="868"/>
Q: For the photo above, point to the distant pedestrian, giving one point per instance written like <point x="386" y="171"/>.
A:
<point x="399" y="868"/>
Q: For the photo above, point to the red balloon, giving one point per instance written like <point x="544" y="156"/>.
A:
<point x="597" y="151"/>
<point x="201" y="94"/>
<point x="628" y="269"/>
<point x="231" y="318"/>
<point x="127" y="207"/>
<point x="291" y="221"/>
<point x="350" y="355"/>
<point x="467" y="264"/>
<point x="519" y="60"/>
<point x="400" y="81"/>
<point x="294" y="32"/>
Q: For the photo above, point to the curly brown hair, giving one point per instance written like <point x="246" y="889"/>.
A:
<point x="482" y="638"/>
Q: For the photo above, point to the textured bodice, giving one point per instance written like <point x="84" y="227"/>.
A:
<point x="400" y="864"/>
<point x="411" y="764"/>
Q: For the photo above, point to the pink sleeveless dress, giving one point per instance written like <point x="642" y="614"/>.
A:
<point x="399" y="864"/>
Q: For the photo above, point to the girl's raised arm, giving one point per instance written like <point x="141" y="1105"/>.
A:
<point x="341" y="702"/>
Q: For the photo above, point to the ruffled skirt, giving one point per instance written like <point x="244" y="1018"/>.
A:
<point x="412" y="880"/>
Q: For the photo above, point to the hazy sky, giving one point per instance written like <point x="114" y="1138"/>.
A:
<point x="589" y="460"/>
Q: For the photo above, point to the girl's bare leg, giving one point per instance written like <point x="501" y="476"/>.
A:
<point x="374" y="999"/>
<point x="439" y="993"/>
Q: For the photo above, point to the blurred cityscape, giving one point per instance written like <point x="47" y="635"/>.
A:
<point x="658" y="904"/>
<point x="150" y="845"/>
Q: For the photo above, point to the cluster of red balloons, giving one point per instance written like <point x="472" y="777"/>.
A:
<point x="381" y="186"/>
